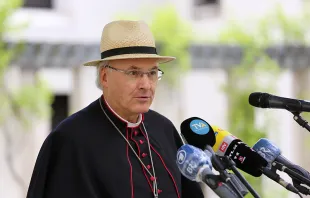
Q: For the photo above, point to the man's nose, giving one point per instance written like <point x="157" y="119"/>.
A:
<point x="145" y="82"/>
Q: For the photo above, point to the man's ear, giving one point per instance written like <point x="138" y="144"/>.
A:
<point x="103" y="77"/>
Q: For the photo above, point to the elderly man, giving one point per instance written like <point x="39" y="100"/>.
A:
<point x="116" y="147"/>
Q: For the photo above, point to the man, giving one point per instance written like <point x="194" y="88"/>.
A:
<point x="116" y="147"/>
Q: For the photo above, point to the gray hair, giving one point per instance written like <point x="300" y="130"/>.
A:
<point x="98" y="72"/>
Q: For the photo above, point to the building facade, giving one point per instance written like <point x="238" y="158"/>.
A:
<point x="67" y="33"/>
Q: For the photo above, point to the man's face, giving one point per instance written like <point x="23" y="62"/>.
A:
<point x="128" y="92"/>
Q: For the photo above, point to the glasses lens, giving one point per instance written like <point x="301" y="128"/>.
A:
<point x="153" y="75"/>
<point x="160" y="74"/>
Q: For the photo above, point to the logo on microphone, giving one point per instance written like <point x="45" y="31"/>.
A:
<point x="223" y="147"/>
<point x="181" y="155"/>
<point x="199" y="127"/>
<point x="239" y="157"/>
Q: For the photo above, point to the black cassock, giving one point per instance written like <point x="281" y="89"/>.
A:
<point x="86" y="157"/>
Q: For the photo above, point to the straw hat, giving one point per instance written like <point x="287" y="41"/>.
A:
<point x="126" y="39"/>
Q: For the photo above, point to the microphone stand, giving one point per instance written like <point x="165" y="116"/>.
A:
<point x="216" y="162"/>
<point x="300" y="120"/>
<point x="302" y="189"/>
<point x="231" y="165"/>
<point x="291" y="173"/>
<point x="224" y="174"/>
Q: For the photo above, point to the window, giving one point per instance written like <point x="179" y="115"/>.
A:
<point x="204" y="9"/>
<point x="60" y="108"/>
<point x="205" y="2"/>
<point x="37" y="4"/>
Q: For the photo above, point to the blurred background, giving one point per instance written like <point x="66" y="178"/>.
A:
<point x="225" y="49"/>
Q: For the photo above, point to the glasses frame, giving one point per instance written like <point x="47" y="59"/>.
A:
<point x="126" y="72"/>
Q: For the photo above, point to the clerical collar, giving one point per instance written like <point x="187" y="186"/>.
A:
<point x="129" y="124"/>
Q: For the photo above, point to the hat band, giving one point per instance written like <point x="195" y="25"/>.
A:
<point x="128" y="50"/>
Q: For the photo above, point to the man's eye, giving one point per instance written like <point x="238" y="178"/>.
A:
<point x="153" y="73"/>
<point x="134" y="73"/>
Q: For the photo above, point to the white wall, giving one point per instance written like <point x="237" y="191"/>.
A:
<point x="75" y="20"/>
<point x="59" y="80"/>
<point x="84" y="90"/>
<point x="241" y="12"/>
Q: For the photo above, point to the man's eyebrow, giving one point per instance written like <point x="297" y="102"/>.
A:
<point x="133" y="67"/>
<point x="155" y="67"/>
<point x="137" y="68"/>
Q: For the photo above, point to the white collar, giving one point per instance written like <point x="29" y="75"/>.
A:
<point x="129" y="124"/>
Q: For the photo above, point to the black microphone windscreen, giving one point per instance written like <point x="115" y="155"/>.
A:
<point x="254" y="99"/>
<point x="197" y="132"/>
<point x="246" y="158"/>
<point x="258" y="99"/>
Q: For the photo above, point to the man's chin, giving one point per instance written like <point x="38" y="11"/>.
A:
<point x="142" y="109"/>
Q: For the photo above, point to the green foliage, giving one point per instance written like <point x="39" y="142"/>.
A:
<point x="256" y="71"/>
<point x="34" y="100"/>
<point x="6" y="9"/>
<point x="173" y="37"/>
<point x="291" y="29"/>
<point x="29" y="100"/>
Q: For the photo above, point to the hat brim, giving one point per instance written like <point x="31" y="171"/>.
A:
<point x="160" y="59"/>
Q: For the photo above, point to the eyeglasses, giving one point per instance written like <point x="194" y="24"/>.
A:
<point x="153" y="75"/>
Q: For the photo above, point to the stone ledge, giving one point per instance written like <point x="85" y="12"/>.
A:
<point x="38" y="55"/>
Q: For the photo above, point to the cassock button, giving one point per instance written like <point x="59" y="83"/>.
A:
<point x="159" y="191"/>
<point x="136" y="133"/>
<point x="141" y="141"/>
<point x="148" y="166"/>
<point x="144" y="154"/>
<point x="153" y="178"/>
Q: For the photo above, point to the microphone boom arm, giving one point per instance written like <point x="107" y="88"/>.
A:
<point x="300" y="120"/>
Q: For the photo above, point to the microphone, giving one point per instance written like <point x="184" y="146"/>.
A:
<point x="199" y="133"/>
<point x="195" y="165"/>
<point x="265" y="100"/>
<point x="270" y="152"/>
<point x="244" y="156"/>
<point x="201" y="138"/>
<point x="295" y="106"/>
<point x="273" y="155"/>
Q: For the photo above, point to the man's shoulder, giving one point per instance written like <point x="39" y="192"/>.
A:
<point x="77" y="121"/>
<point x="157" y="117"/>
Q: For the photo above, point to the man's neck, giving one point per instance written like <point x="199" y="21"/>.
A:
<point x="132" y="118"/>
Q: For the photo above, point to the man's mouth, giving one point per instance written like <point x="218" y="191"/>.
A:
<point x="144" y="98"/>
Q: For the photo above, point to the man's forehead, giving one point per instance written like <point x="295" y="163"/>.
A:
<point x="135" y="63"/>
